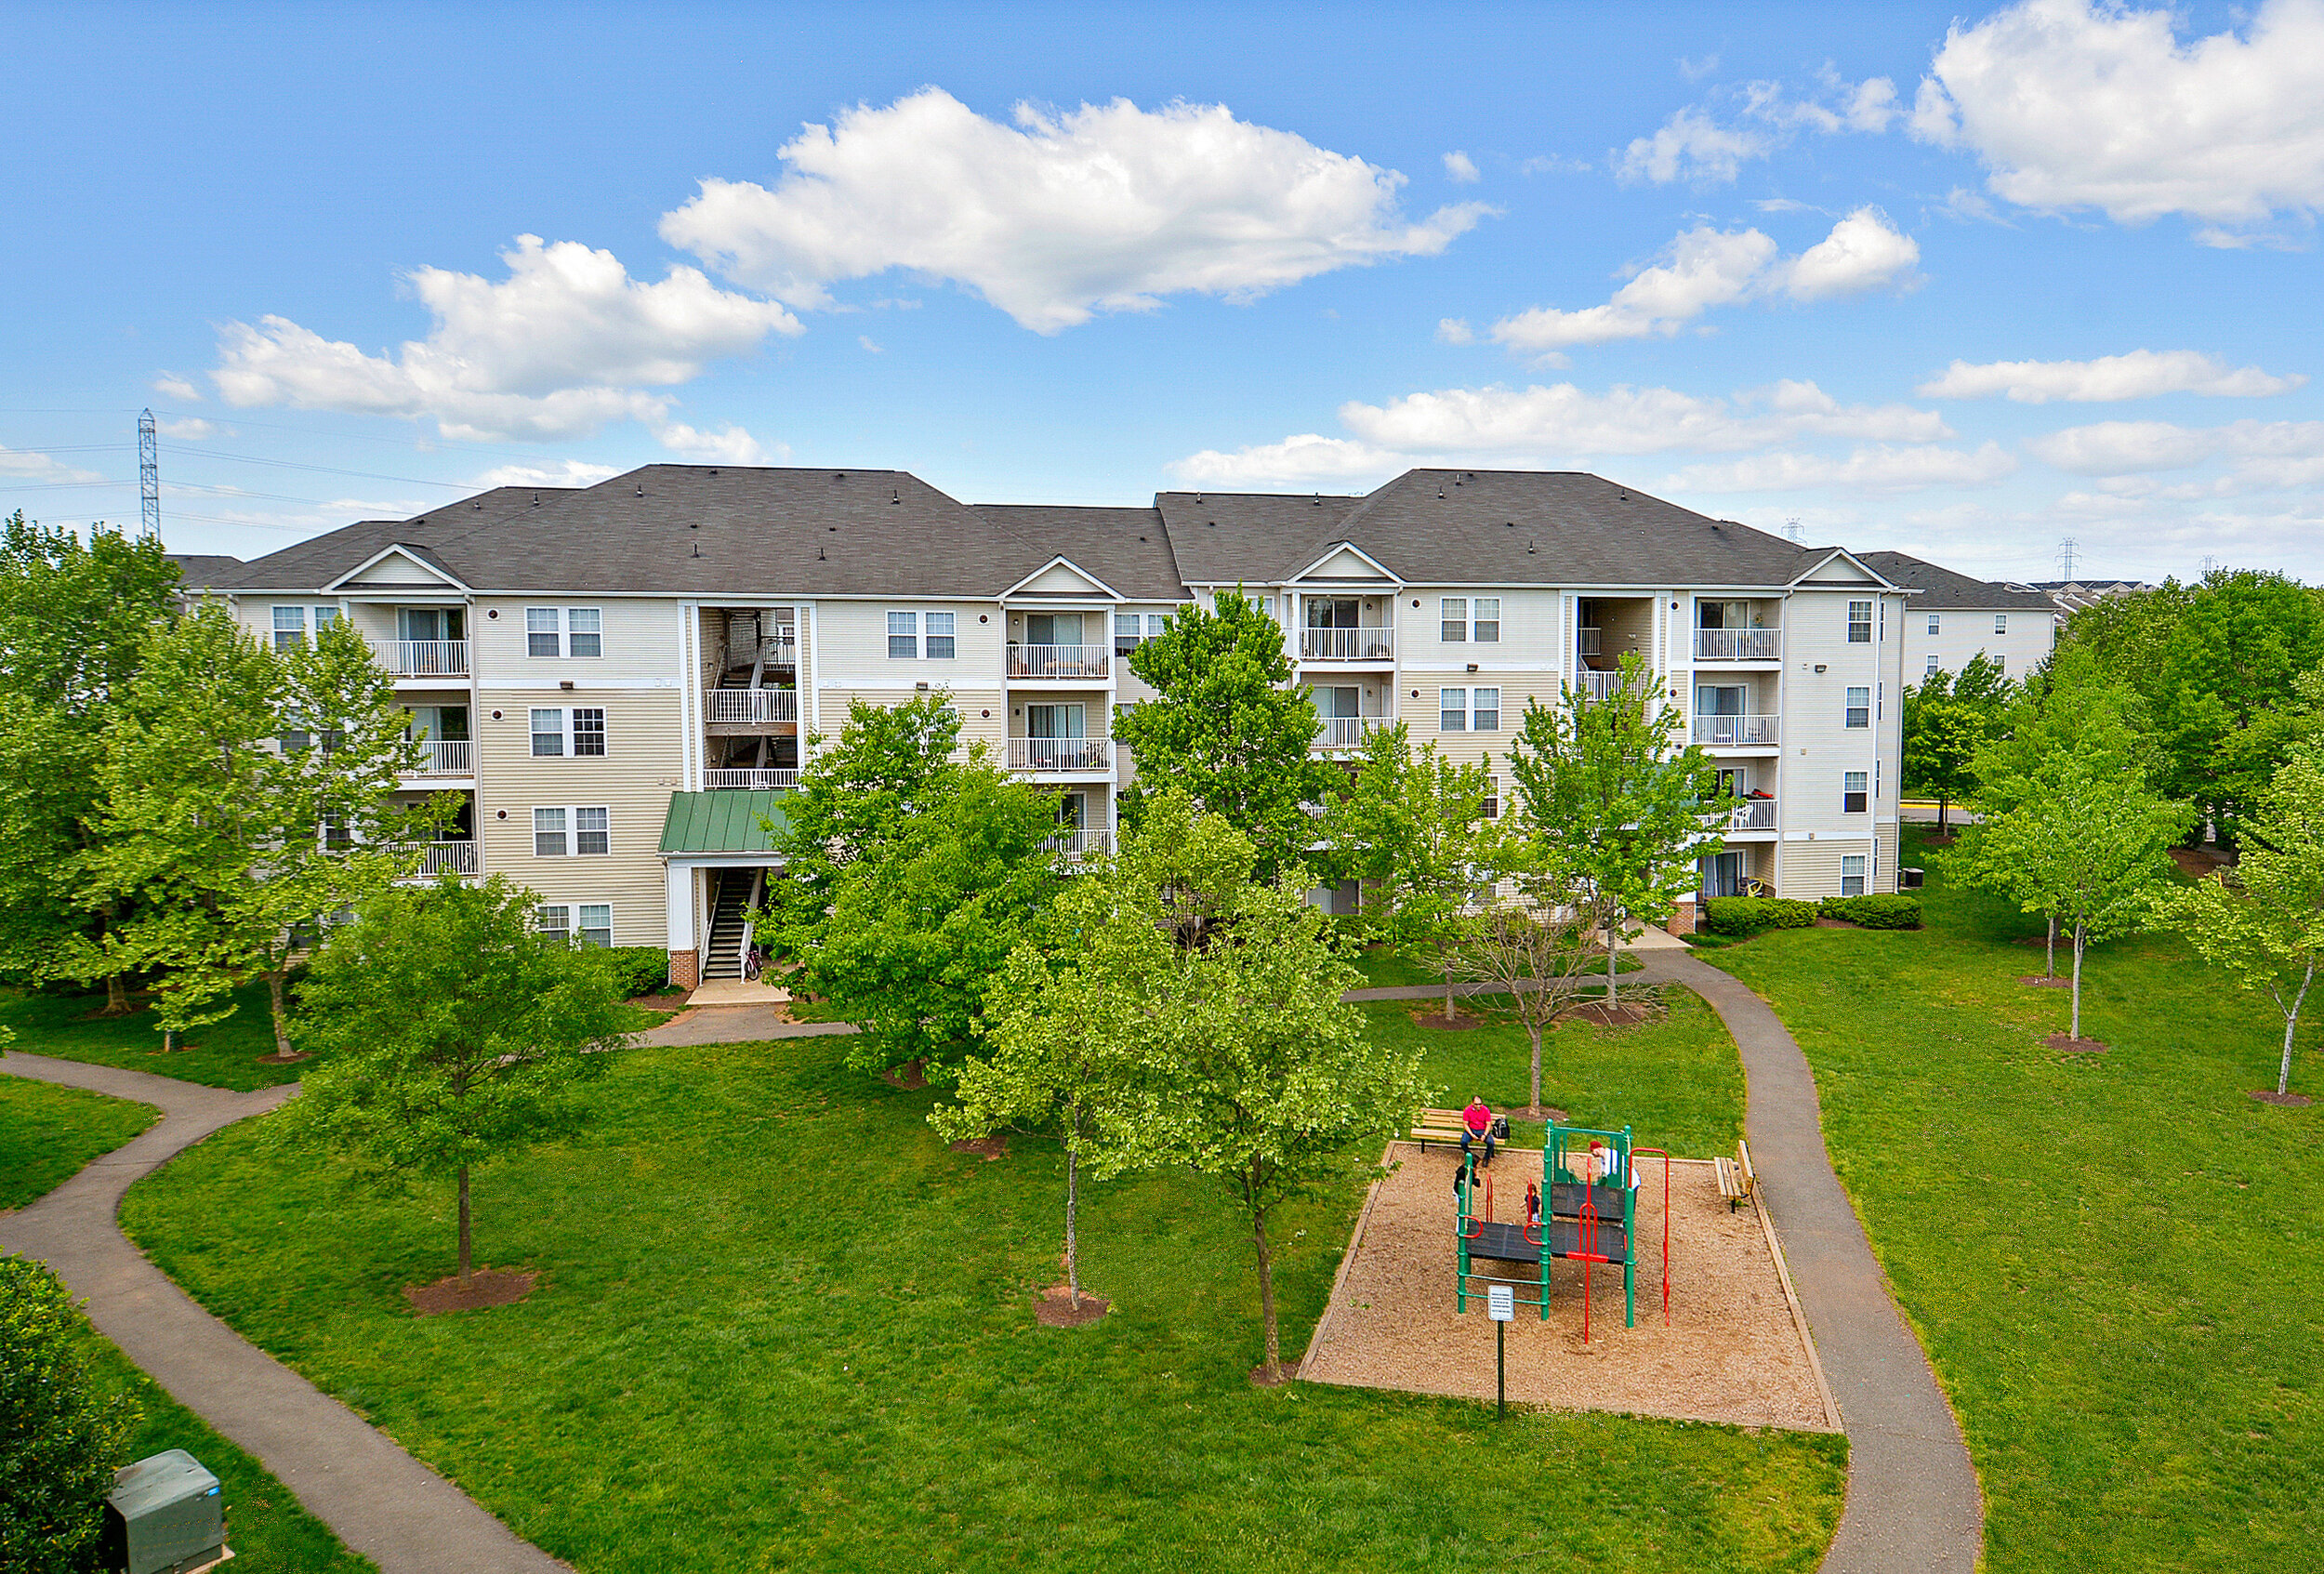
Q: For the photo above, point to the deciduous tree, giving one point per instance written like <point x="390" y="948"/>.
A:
<point x="60" y="1442"/>
<point x="1946" y="719"/>
<point x="1535" y="947"/>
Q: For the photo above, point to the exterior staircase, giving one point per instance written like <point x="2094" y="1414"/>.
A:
<point x="724" y="957"/>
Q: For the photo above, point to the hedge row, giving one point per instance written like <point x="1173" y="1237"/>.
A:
<point x="641" y="968"/>
<point x="1874" y="912"/>
<point x="1750" y="915"/>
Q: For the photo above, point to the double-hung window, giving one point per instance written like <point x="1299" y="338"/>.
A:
<point x="904" y="636"/>
<point x="551" y="834"/>
<point x="1859" y="706"/>
<point x="1933" y="623"/>
<point x="1125" y="633"/>
<point x="1492" y="798"/>
<point x="1859" y="623"/>
<point x="574" y="631"/>
<point x="1932" y="669"/>
<point x="571" y="831"/>
<point x="588" y="729"/>
<point x="1452" y="620"/>
<point x="1452" y="710"/>
<point x="548" y="731"/>
<point x="540" y="632"/>
<point x="585" y="631"/>
<point x="1854" y="790"/>
<point x="1485" y="710"/>
<point x="2001" y="623"/>
<point x="555" y="920"/>
<point x="1469" y="710"/>
<point x="290" y="626"/>
<point x="558" y="732"/>
<point x="596" y="924"/>
<point x="1852" y="865"/>
<point x="1484" y="625"/>
<point x="940" y="636"/>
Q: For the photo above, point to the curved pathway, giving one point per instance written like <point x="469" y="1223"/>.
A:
<point x="1913" y="1503"/>
<point x="381" y="1501"/>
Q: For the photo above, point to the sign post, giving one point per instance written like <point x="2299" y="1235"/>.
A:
<point x="1500" y="1305"/>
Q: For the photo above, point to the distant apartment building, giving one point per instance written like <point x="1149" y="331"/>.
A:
<point x="1955" y="618"/>
<point x="619" y="683"/>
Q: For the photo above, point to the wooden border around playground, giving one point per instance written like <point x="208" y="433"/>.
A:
<point x="1347" y="1260"/>
<point x="1799" y="1315"/>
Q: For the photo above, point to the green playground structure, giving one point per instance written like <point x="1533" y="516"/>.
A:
<point x="1586" y="1210"/>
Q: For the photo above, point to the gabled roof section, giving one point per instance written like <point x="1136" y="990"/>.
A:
<point x="1062" y="576"/>
<point x="1125" y="550"/>
<point x="311" y="564"/>
<point x="397" y="566"/>
<point x="1837" y="566"/>
<point x="1346" y="562"/>
<point x="1942" y="589"/>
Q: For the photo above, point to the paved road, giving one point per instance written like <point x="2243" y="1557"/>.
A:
<point x="350" y="1474"/>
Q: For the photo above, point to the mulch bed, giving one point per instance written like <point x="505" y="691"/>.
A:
<point x="1056" y="1308"/>
<point x="2041" y="981"/>
<point x="1538" y="1112"/>
<point x="291" y="1059"/>
<point x="1452" y="1024"/>
<point x="1822" y="922"/>
<point x="1627" y="1013"/>
<point x="488" y="1287"/>
<point x="2197" y="862"/>
<point x="986" y="1149"/>
<point x="2066" y="1045"/>
<point x="911" y="1076"/>
<point x="2283" y="1101"/>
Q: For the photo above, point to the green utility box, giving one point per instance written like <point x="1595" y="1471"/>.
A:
<point x="163" y="1516"/>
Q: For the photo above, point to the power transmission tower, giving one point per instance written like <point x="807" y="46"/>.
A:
<point x="149" y="476"/>
<point x="2069" y="557"/>
<point x="1792" y="528"/>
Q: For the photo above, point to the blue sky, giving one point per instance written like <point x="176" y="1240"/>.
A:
<point x="1962" y="284"/>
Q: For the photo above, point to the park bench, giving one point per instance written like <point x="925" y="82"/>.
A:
<point x="1437" y="1125"/>
<point x="1737" y="1180"/>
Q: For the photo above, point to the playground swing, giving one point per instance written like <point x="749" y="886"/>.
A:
<point x="1584" y="1210"/>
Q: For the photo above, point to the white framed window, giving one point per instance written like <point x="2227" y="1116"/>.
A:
<point x="1933" y="623"/>
<point x="1125" y="633"/>
<point x="554" y="918"/>
<point x="588" y="729"/>
<point x="1157" y="625"/>
<point x="1932" y="669"/>
<point x="1854" y="790"/>
<point x="939" y="636"/>
<point x="1859" y="623"/>
<point x="1452" y="710"/>
<point x="1452" y="620"/>
<point x="1492" y="798"/>
<point x="1484" y="625"/>
<point x="558" y="732"/>
<point x="597" y="923"/>
<point x="290" y="626"/>
<point x="1859" y="706"/>
<point x="1852" y="866"/>
<point x="572" y="831"/>
<point x="562" y="631"/>
<point x="2001" y="623"/>
<point x="1485" y="710"/>
<point x="548" y="731"/>
<point x="904" y="636"/>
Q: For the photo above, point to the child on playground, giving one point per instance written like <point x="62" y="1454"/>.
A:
<point x="1476" y="1125"/>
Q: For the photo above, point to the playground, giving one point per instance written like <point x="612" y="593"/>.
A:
<point x="1734" y="1349"/>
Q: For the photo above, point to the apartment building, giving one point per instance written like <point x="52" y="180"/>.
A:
<point x="619" y="683"/>
<point x="1955" y="619"/>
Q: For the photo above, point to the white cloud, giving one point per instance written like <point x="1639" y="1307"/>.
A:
<point x="1304" y="460"/>
<point x="25" y="466"/>
<point x="869" y="348"/>
<point x="1107" y="207"/>
<point x="555" y="351"/>
<point x="1882" y="469"/>
<point x="1690" y="146"/>
<point x="1454" y="330"/>
<point x="1863" y="252"/>
<point x="1868" y="106"/>
<point x="1705" y="267"/>
<point x="568" y="472"/>
<point x="728" y="445"/>
<point x="1461" y="167"/>
<point x="1695" y="70"/>
<point x="189" y="430"/>
<point x="2071" y="105"/>
<point x="169" y="385"/>
<point x="2141" y="374"/>
<point x="2266" y="453"/>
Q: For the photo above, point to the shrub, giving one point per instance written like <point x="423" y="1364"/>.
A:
<point x="59" y="1443"/>
<point x="1750" y="915"/>
<point x="1874" y="912"/>
<point x="640" y="970"/>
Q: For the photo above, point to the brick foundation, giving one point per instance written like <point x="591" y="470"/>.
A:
<point x="685" y="969"/>
<point x="1683" y="920"/>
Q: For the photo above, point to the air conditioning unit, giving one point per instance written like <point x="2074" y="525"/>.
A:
<point x="1908" y="880"/>
<point x="163" y="1516"/>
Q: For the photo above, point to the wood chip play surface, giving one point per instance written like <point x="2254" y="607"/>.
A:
<point x="1733" y="1351"/>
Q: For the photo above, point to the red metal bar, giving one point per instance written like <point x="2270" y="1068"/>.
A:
<point x="1586" y="1238"/>
<point x="1665" y="1156"/>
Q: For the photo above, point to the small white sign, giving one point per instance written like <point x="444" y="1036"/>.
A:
<point x="1500" y="1302"/>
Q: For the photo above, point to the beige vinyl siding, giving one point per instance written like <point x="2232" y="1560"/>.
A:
<point x="984" y="715"/>
<point x="1885" y="877"/>
<point x="1421" y="717"/>
<point x="641" y="640"/>
<point x="633" y="781"/>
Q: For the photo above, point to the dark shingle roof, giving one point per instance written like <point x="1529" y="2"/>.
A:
<point x="198" y="571"/>
<point x="1248" y="537"/>
<point x="1126" y="548"/>
<point x="1942" y="588"/>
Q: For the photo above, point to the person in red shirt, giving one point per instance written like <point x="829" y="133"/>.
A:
<point x="1476" y="1125"/>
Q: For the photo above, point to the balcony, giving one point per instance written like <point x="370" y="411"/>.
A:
<point x="1753" y="815"/>
<point x="422" y="658"/>
<point x="1347" y="645"/>
<point x="1075" y="844"/>
<point x="1600" y="685"/>
<point x="749" y="707"/>
<point x="443" y="858"/>
<point x="1059" y="661"/>
<point x="1591" y="640"/>
<point x="446" y="757"/>
<point x="1738" y="644"/>
<point x="749" y="780"/>
<point x="1039" y="755"/>
<point x="1737" y="732"/>
<point x="1347" y="731"/>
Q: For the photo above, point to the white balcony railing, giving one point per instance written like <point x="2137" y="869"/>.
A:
<point x="1737" y="732"/>
<point x="757" y="779"/>
<point x="1347" y="731"/>
<point x="750" y="705"/>
<point x="446" y="857"/>
<point x="1347" y="645"/>
<point x="1075" y="843"/>
<point x="1592" y="640"/>
<point x="423" y="659"/>
<point x="446" y="757"/>
<point x="1600" y="685"/>
<point x="1753" y="815"/>
<point x="1059" y="661"/>
<point x="1738" y="644"/>
<point x="1059" y="754"/>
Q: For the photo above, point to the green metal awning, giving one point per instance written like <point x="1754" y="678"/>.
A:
<point x="722" y="822"/>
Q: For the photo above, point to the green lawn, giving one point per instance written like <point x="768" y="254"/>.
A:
<point x="781" y="1327"/>
<point x="270" y="1532"/>
<point x="2113" y="1259"/>
<point x="225" y="1054"/>
<point x="1384" y="969"/>
<point x="47" y="1132"/>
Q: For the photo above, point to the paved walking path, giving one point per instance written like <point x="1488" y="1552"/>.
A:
<point x="736" y="1025"/>
<point x="350" y="1474"/>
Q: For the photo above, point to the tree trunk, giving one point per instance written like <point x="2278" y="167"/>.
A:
<point x="2292" y="1025"/>
<point x="464" y="1253"/>
<point x="1941" y="807"/>
<point x="1073" y="1206"/>
<point x="2076" y="1032"/>
<point x="1274" y="1369"/>
<point x="116" y="995"/>
<point x="2050" y="950"/>
<point x="1444" y="965"/>
<point x="1612" y="928"/>
<point x="280" y="1006"/>
<point x="1535" y="1029"/>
